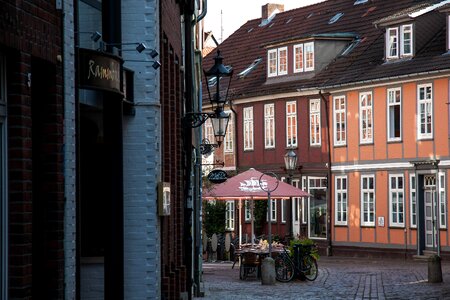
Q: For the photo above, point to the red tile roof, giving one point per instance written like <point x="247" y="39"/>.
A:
<point x="365" y="62"/>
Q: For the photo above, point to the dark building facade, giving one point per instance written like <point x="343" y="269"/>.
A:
<point x="31" y="134"/>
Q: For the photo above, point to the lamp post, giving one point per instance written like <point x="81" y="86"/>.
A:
<point x="290" y="163"/>
<point x="219" y="118"/>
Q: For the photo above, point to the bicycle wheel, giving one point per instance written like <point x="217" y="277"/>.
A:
<point x="284" y="269"/>
<point x="311" y="269"/>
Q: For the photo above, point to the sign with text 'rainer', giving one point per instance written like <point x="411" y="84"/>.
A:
<point x="99" y="71"/>
<point x="217" y="176"/>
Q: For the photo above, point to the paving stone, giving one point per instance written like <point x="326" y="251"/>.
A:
<point x="339" y="278"/>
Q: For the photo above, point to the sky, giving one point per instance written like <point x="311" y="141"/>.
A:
<point x="236" y="13"/>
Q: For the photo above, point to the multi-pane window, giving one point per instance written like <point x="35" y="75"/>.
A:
<point x="368" y="200"/>
<point x="209" y="131"/>
<point x="298" y="58"/>
<point x="272" y="63"/>
<point x="396" y="201"/>
<point x="314" y="122"/>
<point x="425" y="111"/>
<point x="282" y="61"/>
<point x="248" y="211"/>
<point x="248" y="128"/>
<point x="229" y="136"/>
<point x="309" y="56"/>
<point x="442" y="201"/>
<point x="365" y="118"/>
<point x="317" y="221"/>
<point x="413" y="200"/>
<point x="283" y="210"/>
<point x="341" y="200"/>
<point x="277" y="62"/>
<point x="392" y="43"/>
<point x="406" y="40"/>
<point x="448" y="32"/>
<point x="269" y="125"/>
<point x="273" y="209"/>
<point x="291" y="124"/>
<point x="229" y="215"/>
<point x="340" y="120"/>
<point x="394" y="117"/>
<point x="296" y="204"/>
<point x="399" y="41"/>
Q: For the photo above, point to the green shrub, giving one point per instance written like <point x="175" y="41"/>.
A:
<point x="303" y="242"/>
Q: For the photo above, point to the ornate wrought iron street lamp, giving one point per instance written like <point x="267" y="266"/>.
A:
<point x="219" y="118"/>
<point x="290" y="164"/>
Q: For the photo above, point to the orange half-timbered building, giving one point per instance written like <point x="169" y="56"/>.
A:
<point x="360" y="91"/>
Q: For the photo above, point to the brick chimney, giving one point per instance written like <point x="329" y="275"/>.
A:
<point x="269" y="8"/>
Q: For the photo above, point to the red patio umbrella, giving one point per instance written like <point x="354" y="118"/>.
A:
<point x="247" y="185"/>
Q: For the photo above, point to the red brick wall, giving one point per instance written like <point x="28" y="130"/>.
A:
<point x="30" y="32"/>
<point x="172" y="246"/>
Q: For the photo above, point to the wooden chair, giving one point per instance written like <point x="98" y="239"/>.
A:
<point x="250" y="264"/>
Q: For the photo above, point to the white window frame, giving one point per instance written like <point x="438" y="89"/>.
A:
<point x="428" y="104"/>
<point x="390" y="42"/>
<point x="247" y="210"/>
<point x="229" y="136"/>
<point x="403" y="30"/>
<point x="302" y="59"/>
<point x="366" y="118"/>
<point x="369" y="192"/>
<point x="315" y="128"/>
<point x="208" y="131"/>
<point x="442" y="201"/>
<point x="229" y="215"/>
<point x="272" y="59"/>
<point x="283" y="210"/>
<point x="273" y="209"/>
<point x="396" y="201"/>
<point x="412" y="201"/>
<point x="248" y="128"/>
<point x="303" y="200"/>
<point x="448" y="32"/>
<point x="392" y="102"/>
<point x="291" y="117"/>
<point x="295" y="202"/>
<point x="269" y="126"/>
<point x="280" y="51"/>
<point x="309" y="62"/>
<point x="341" y="194"/>
<point x="340" y="121"/>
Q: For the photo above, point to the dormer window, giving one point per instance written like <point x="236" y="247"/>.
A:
<point x="448" y="32"/>
<point x="304" y="57"/>
<point x="277" y="62"/>
<point x="399" y="41"/>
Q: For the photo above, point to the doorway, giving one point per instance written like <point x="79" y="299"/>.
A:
<point x="430" y="211"/>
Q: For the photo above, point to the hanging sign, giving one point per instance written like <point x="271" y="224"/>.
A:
<point x="99" y="71"/>
<point x="217" y="176"/>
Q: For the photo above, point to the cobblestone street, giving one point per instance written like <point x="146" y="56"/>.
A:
<point x="339" y="278"/>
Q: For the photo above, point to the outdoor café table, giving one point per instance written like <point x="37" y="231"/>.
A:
<point x="251" y="259"/>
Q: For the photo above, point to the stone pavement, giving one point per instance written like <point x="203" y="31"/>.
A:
<point x="339" y="278"/>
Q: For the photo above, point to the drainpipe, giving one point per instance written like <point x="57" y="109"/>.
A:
<point x="188" y="11"/>
<point x="329" y="180"/>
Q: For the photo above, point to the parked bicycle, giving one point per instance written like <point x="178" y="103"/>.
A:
<point x="302" y="265"/>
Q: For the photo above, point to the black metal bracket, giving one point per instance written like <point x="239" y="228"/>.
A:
<point x="197" y="119"/>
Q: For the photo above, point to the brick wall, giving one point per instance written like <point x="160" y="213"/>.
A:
<point x="174" y="268"/>
<point x="30" y="33"/>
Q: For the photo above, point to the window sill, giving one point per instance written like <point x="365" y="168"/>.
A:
<point x="395" y="141"/>
<point x="396" y="227"/>
<point x="340" y="146"/>
<point x="367" y="226"/>
<point x="340" y="225"/>
<point x="366" y="143"/>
